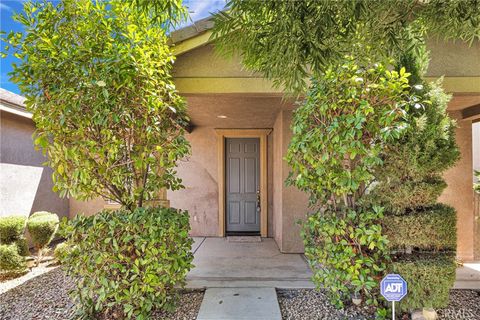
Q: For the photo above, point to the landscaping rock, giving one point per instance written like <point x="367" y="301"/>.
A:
<point x="46" y="297"/>
<point x="309" y="304"/>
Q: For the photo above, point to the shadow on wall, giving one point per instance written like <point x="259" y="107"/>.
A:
<point x="18" y="189"/>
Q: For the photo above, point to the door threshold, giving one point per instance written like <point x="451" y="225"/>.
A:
<point x="246" y="239"/>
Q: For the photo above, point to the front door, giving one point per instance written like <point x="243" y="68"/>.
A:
<point x="242" y="156"/>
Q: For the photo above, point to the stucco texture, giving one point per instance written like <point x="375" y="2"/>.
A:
<point x="26" y="183"/>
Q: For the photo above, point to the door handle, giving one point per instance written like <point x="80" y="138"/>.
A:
<point x="258" y="200"/>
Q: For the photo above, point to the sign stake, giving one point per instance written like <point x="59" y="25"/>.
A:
<point x="393" y="310"/>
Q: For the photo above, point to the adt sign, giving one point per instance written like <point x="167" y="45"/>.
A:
<point x="393" y="287"/>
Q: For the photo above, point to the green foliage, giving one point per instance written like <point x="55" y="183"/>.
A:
<point x="476" y="186"/>
<point x="42" y="227"/>
<point x="411" y="176"/>
<point x="102" y="96"/>
<point x="430" y="278"/>
<point x="11" y="228"/>
<point x="288" y="40"/>
<point x="10" y="259"/>
<point x="429" y="229"/>
<point x="23" y="247"/>
<point x="62" y="250"/>
<point x="347" y="253"/>
<point x="349" y="115"/>
<point x="128" y="262"/>
<point x="351" y="112"/>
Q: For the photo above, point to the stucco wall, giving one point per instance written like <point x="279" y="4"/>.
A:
<point x="199" y="174"/>
<point x="26" y="184"/>
<point x="290" y="205"/>
<point x="454" y="59"/>
<point x="459" y="193"/>
<point x="448" y="58"/>
<point x="476" y="145"/>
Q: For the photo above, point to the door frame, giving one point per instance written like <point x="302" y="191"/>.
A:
<point x="262" y="134"/>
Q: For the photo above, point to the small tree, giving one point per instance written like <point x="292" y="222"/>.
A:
<point x="97" y="78"/>
<point x="351" y="112"/>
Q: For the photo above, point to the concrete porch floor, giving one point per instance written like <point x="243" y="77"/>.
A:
<point x="221" y="263"/>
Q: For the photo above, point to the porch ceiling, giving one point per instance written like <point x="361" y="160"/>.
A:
<point x="235" y="111"/>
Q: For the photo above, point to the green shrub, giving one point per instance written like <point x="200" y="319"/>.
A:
<point x="347" y="254"/>
<point x="11" y="228"/>
<point x="431" y="228"/>
<point x="411" y="176"/>
<point x="42" y="227"/>
<point x="23" y="248"/>
<point x="429" y="277"/>
<point x="128" y="262"/>
<point x="10" y="259"/>
<point x="61" y="251"/>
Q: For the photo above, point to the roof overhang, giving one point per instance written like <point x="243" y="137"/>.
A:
<point x="193" y="36"/>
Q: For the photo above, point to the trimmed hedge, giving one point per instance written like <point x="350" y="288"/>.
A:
<point x="42" y="226"/>
<point x="61" y="251"/>
<point x="128" y="263"/>
<point x="10" y="259"/>
<point x="430" y="278"/>
<point x="23" y="248"/>
<point x="11" y="228"/>
<point x="432" y="228"/>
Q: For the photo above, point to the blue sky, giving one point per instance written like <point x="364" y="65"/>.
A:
<point x="198" y="9"/>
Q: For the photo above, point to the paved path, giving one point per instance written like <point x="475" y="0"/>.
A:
<point x="222" y="263"/>
<point x="240" y="304"/>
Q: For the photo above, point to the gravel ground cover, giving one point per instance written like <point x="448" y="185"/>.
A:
<point x="308" y="304"/>
<point x="46" y="297"/>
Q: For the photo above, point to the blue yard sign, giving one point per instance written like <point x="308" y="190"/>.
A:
<point x="393" y="288"/>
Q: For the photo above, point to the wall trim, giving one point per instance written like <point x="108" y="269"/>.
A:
<point x="243" y="133"/>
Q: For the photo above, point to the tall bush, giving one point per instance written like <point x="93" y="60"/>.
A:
<point x="350" y="114"/>
<point x="97" y="78"/>
<point x="422" y="233"/>
<point x="101" y="94"/>
<point x="128" y="262"/>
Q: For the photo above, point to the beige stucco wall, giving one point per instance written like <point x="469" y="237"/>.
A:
<point x="87" y="208"/>
<point x="459" y="193"/>
<point x="290" y="205"/>
<point x="454" y="59"/>
<point x="448" y="58"/>
<point x="26" y="183"/>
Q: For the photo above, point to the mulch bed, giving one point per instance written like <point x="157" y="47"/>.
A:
<point x="46" y="297"/>
<point x="308" y="304"/>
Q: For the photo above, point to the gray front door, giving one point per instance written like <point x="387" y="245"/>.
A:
<point x="242" y="168"/>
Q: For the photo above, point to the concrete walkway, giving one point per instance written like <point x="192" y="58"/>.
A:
<point x="468" y="276"/>
<point x="240" y="304"/>
<point x="221" y="263"/>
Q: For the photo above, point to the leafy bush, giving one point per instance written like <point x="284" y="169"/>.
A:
<point x="476" y="186"/>
<point x="431" y="228"/>
<point x="351" y="112"/>
<point x="348" y="253"/>
<point x="42" y="226"/>
<point x="411" y="176"/>
<point x="10" y="259"/>
<point x="61" y="251"/>
<point x="430" y="278"/>
<point x="23" y="248"/>
<point x="106" y="109"/>
<point x="128" y="262"/>
<point x="11" y="228"/>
